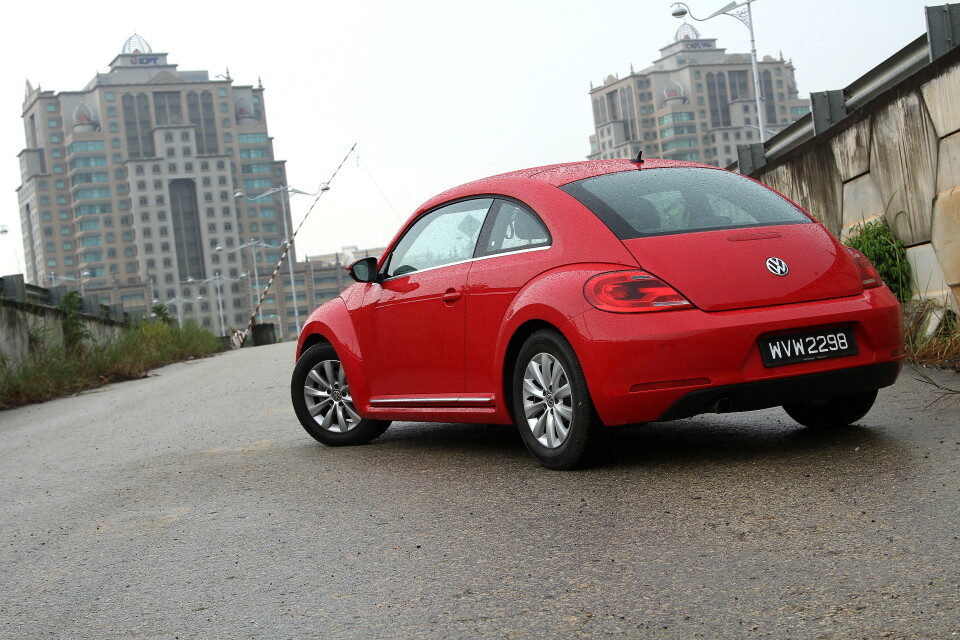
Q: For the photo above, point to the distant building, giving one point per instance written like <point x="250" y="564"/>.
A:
<point x="695" y="103"/>
<point x="128" y="189"/>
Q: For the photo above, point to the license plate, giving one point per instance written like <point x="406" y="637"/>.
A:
<point x="808" y="346"/>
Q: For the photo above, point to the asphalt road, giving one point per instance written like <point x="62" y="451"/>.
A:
<point x="192" y="505"/>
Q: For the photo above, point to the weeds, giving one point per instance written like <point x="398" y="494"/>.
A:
<point x="67" y="369"/>
<point x="939" y="347"/>
<point x="74" y="331"/>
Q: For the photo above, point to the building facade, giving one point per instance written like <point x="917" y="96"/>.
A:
<point x="128" y="190"/>
<point x="695" y="103"/>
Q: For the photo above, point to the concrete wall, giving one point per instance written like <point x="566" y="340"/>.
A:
<point x="897" y="156"/>
<point x="30" y="324"/>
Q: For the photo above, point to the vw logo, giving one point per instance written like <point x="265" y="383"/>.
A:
<point x="777" y="267"/>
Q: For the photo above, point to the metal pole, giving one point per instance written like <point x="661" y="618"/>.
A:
<point x="286" y="231"/>
<point x="223" y="330"/>
<point x="256" y="276"/>
<point x="761" y="115"/>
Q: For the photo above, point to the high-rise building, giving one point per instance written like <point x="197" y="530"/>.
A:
<point x="128" y="189"/>
<point x="695" y="103"/>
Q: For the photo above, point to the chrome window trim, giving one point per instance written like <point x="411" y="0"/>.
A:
<point x="477" y="259"/>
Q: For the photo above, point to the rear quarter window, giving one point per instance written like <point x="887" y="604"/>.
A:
<point x="668" y="201"/>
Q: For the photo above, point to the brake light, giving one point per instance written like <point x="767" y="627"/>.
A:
<point x="632" y="292"/>
<point x="869" y="275"/>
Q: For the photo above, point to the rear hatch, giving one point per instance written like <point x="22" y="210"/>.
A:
<point x="722" y="240"/>
<point x="728" y="269"/>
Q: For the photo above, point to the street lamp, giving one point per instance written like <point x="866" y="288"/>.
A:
<point x="254" y="244"/>
<point x="741" y="11"/>
<point x="279" y="324"/>
<point x="218" y="278"/>
<point x="83" y="276"/>
<point x="239" y="194"/>
<point x="179" y="302"/>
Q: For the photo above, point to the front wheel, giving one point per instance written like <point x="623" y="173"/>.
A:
<point x="832" y="412"/>
<point x="322" y="401"/>
<point x="551" y="403"/>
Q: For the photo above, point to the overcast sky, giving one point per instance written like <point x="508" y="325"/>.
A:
<point x="434" y="93"/>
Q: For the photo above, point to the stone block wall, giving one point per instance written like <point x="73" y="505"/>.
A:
<point x="898" y="156"/>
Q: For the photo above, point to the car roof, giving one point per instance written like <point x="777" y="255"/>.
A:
<point x="555" y="175"/>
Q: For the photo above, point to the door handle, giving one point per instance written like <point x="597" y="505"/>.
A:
<point x="451" y="295"/>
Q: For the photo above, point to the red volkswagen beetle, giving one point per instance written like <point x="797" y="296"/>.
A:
<point x="571" y="298"/>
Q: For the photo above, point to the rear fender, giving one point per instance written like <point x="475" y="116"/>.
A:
<point x="554" y="299"/>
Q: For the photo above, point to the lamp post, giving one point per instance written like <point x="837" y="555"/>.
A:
<point x="286" y="229"/>
<point x="279" y="324"/>
<point x="83" y="276"/>
<point x="179" y="302"/>
<point x="741" y="11"/>
<point x="218" y="279"/>
<point x="254" y="244"/>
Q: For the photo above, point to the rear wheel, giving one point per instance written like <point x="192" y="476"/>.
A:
<point x="832" y="412"/>
<point x="322" y="401"/>
<point x="551" y="403"/>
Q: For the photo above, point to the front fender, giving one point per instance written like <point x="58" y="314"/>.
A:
<point x="331" y="322"/>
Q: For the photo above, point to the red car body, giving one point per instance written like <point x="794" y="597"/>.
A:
<point x="440" y="344"/>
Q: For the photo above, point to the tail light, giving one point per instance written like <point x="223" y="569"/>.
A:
<point x="632" y="292"/>
<point x="869" y="275"/>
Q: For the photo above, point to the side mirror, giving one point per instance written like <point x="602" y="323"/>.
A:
<point x="364" y="270"/>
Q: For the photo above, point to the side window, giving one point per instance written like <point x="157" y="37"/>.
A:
<point x="515" y="228"/>
<point x="443" y="236"/>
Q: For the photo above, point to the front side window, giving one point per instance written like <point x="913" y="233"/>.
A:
<point x="666" y="201"/>
<point x="443" y="236"/>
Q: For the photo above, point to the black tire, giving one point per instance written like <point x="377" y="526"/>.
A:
<point x="322" y="401"/>
<point x="556" y="417"/>
<point x="831" y="413"/>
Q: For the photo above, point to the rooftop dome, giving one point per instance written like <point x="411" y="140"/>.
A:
<point x="243" y="107"/>
<point x="136" y="44"/>
<point x="686" y="32"/>
<point x="673" y="90"/>
<point x="82" y="114"/>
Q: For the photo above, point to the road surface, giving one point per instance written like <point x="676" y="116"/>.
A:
<point x="191" y="504"/>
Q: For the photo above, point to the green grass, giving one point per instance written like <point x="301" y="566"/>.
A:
<point x="64" y="370"/>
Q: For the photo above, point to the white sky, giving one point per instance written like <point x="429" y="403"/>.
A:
<point x="434" y="93"/>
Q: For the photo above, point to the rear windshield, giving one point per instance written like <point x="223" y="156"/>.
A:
<point x="665" y="201"/>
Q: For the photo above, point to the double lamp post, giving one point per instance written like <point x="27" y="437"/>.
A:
<point x="285" y="193"/>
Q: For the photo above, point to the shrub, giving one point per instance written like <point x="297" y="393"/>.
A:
<point x="887" y="254"/>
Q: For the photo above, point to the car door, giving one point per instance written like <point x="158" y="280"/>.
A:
<point x="513" y="250"/>
<point x="412" y="325"/>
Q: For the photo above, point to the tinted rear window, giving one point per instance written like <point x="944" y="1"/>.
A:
<point x="667" y="201"/>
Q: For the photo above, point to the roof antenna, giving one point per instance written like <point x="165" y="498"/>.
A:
<point x="638" y="159"/>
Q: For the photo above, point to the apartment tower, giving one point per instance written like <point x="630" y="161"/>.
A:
<point x="129" y="189"/>
<point x="695" y="103"/>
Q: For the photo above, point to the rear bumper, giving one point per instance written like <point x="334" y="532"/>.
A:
<point x="675" y="364"/>
<point x="750" y="396"/>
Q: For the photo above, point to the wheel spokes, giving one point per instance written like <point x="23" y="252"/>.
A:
<point x="547" y="400"/>
<point x="327" y="396"/>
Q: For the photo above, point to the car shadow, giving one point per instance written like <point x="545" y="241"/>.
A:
<point x="737" y="437"/>
<point x="704" y="439"/>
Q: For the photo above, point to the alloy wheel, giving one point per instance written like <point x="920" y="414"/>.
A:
<point x="547" y="400"/>
<point x="327" y="396"/>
